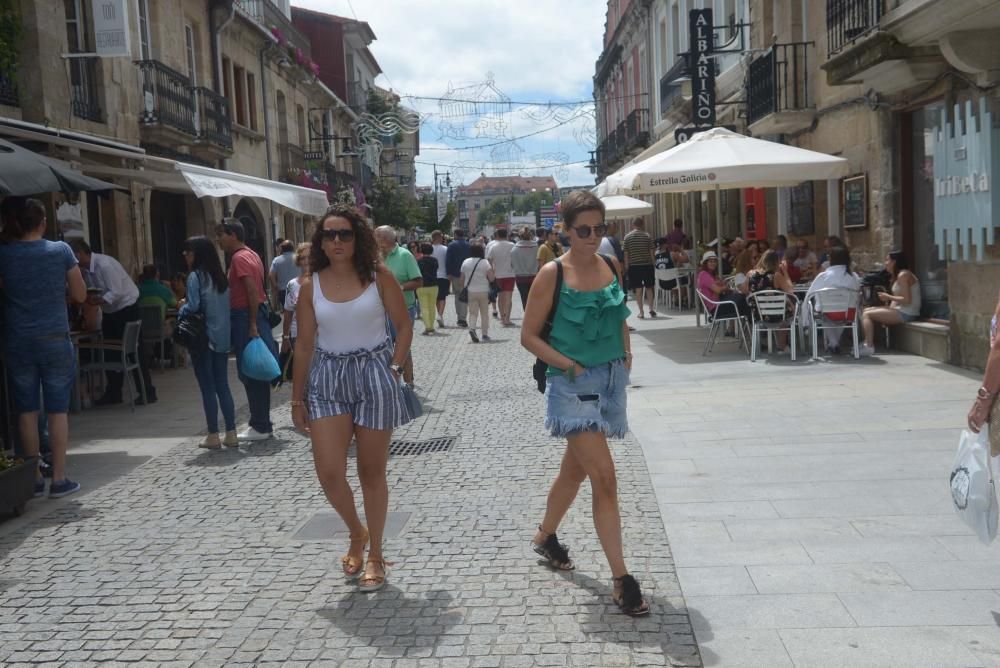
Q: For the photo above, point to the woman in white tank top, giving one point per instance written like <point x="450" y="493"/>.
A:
<point x="902" y="304"/>
<point x="346" y="380"/>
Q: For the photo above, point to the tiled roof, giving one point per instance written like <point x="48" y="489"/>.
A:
<point x="508" y="183"/>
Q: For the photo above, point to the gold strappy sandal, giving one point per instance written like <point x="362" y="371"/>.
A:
<point x="374" y="582"/>
<point x="350" y="564"/>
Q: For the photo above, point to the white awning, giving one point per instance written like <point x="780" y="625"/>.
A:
<point x="207" y="182"/>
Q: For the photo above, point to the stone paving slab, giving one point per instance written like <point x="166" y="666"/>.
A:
<point x="191" y="558"/>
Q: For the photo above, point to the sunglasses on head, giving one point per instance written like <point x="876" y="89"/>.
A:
<point x="583" y="231"/>
<point x="345" y="235"/>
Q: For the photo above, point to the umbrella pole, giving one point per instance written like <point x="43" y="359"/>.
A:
<point x="693" y="278"/>
<point x="718" y="228"/>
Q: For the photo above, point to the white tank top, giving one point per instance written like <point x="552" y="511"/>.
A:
<point x="913" y="308"/>
<point x="347" y="327"/>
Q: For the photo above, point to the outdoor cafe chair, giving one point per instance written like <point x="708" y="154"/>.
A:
<point x="772" y="304"/>
<point x="154" y="330"/>
<point x="665" y="295"/>
<point x="834" y="308"/>
<point x="739" y="321"/>
<point x="120" y="356"/>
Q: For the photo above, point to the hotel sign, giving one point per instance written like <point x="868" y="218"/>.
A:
<point x="966" y="201"/>
<point x="111" y="30"/>
<point x="702" y="66"/>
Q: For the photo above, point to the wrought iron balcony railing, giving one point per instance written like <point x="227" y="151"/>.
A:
<point x="167" y="97"/>
<point x="290" y="157"/>
<point x="84" y="97"/>
<point x="214" y="123"/>
<point x="778" y="81"/>
<point x="849" y="20"/>
<point x="267" y="14"/>
<point x="670" y="83"/>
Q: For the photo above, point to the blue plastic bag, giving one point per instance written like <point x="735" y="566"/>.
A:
<point x="259" y="362"/>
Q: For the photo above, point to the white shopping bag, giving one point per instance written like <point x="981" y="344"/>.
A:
<point x="972" y="487"/>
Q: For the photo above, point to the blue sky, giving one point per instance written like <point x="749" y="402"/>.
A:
<point x="536" y="50"/>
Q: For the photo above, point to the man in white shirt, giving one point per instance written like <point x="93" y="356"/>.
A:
<point x="443" y="283"/>
<point x="498" y="254"/>
<point x="838" y="275"/>
<point x="119" y="302"/>
<point x="806" y="261"/>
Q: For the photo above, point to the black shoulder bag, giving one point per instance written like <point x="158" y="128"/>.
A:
<point x="539" y="370"/>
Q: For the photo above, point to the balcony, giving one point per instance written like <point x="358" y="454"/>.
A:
<point x="291" y="161"/>
<point x="8" y="90"/>
<point x="174" y="113"/>
<point x="83" y="96"/>
<point x="618" y="146"/>
<point x="778" y="91"/>
<point x="861" y="51"/>
<point x="357" y="95"/>
<point x="268" y="16"/>
<point x="672" y="85"/>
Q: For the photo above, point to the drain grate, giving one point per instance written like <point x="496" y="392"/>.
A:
<point x="408" y="448"/>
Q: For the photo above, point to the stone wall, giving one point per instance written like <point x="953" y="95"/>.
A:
<point x="972" y="296"/>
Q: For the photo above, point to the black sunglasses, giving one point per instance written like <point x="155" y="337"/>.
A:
<point x="346" y="235"/>
<point x="583" y="231"/>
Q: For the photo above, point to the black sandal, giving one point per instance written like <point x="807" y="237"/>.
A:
<point x="554" y="552"/>
<point x="628" y="596"/>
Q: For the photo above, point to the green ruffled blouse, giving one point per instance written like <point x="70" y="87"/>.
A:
<point x="588" y="325"/>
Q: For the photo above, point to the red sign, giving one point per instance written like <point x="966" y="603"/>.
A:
<point x="755" y="210"/>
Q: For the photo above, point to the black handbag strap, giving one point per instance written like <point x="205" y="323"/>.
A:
<point x="547" y="327"/>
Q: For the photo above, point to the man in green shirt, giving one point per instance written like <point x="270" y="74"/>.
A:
<point x="152" y="291"/>
<point x="404" y="267"/>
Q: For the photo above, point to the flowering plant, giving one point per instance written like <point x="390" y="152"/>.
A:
<point x="278" y="35"/>
<point x="8" y="463"/>
<point x="314" y="68"/>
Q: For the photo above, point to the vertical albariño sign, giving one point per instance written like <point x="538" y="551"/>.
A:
<point x="702" y="67"/>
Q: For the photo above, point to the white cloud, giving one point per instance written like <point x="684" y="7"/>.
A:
<point x="535" y="50"/>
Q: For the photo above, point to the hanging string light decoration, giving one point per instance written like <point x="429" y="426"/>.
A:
<point x="474" y="111"/>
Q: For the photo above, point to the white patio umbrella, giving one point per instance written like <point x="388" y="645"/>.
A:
<point x="718" y="159"/>
<point x="622" y="206"/>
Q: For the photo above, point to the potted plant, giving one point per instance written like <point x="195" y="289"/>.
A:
<point x="17" y="483"/>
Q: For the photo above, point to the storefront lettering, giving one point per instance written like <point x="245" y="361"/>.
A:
<point x="702" y="66"/>
<point x="953" y="186"/>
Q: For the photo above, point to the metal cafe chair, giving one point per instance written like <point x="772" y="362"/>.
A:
<point x="711" y="307"/>
<point x="154" y="330"/>
<point x="123" y="359"/>
<point x="769" y="313"/>
<point x="834" y="308"/>
<point x="667" y="295"/>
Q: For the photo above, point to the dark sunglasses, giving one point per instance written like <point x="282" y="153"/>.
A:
<point x="583" y="231"/>
<point x="345" y="235"/>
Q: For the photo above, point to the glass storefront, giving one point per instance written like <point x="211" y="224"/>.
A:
<point x="931" y="270"/>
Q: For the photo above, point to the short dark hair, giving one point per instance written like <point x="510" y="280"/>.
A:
<point x="458" y="233"/>
<point x="678" y="223"/>
<point x="502" y="233"/>
<point x="436" y="234"/>
<point x="29" y="217"/>
<point x="232" y="226"/>
<point x="541" y="232"/>
<point x="840" y="257"/>
<point x="149" y="272"/>
<point x="287" y="246"/>
<point x="579" y="201"/>
<point x="426" y="248"/>
<point x="477" y="250"/>
<point x="80" y="246"/>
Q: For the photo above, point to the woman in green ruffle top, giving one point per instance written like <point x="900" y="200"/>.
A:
<point x="589" y="360"/>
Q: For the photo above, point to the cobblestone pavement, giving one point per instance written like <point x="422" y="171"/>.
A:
<point x="192" y="559"/>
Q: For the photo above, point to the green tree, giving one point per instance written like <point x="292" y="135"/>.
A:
<point x="494" y="213"/>
<point x="10" y="35"/>
<point x="392" y="205"/>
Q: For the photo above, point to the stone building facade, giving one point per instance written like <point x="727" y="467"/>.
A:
<point x="882" y="83"/>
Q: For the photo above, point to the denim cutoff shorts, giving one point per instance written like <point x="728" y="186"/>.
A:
<point x="47" y="363"/>
<point x="594" y="401"/>
<point x="907" y="317"/>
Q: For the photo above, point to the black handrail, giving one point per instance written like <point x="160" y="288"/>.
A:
<point x="214" y="124"/>
<point x="849" y="20"/>
<point x="167" y="97"/>
<point x="83" y="96"/>
<point x="778" y="81"/>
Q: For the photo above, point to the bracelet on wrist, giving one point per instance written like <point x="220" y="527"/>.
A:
<point x="983" y="393"/>
<point x="294" y="402"/>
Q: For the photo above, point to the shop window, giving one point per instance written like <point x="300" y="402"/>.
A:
<point x="239" y="98"/>
<point x="251" y="101"/>
<point x="930" y="269"/>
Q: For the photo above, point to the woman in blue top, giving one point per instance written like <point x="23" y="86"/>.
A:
<point x="208" y="293"/>
<point x="589" y="360"/>
<point x="38" y="352"/>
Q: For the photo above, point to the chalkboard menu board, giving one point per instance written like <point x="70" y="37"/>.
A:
<point x="800" y="210"/>
<point x="855" y="202"/>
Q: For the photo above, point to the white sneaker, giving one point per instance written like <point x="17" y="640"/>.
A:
<point x="252" y="434"/>
<point x="867" y="350"/>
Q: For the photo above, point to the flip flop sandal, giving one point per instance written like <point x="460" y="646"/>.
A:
<point x="370" y="583"/>
<point x="628" y="596"/>
<point x="351" y="565"/>
<point x="554" y="552"/>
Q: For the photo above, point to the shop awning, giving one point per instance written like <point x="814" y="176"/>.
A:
<point x="207" y="182"/>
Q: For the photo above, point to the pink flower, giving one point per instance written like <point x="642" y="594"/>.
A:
<point x="278" y="35"/>
<point x="314" y="68"/>
<point x="300" y="57"/>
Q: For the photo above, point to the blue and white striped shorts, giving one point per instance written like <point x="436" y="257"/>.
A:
<point x="359" y="384"/>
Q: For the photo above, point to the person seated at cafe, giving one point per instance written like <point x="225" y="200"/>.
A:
<point x="806" y="261"/>
<point x="664" y="259"/>
<point x="677" y="236"/>
<point x="741" y="269"/>
<point x="780" y="246"/>
<point x="788" y="264"/>
<point x="714" y="289"/>
<point x="771" y="274"/>
<point x="178" y="285"/>
<point x="838" y="275"/>
<point x="153" y="292"/>
<point x="829" y="243"/>
<point x="902" y="304"/>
